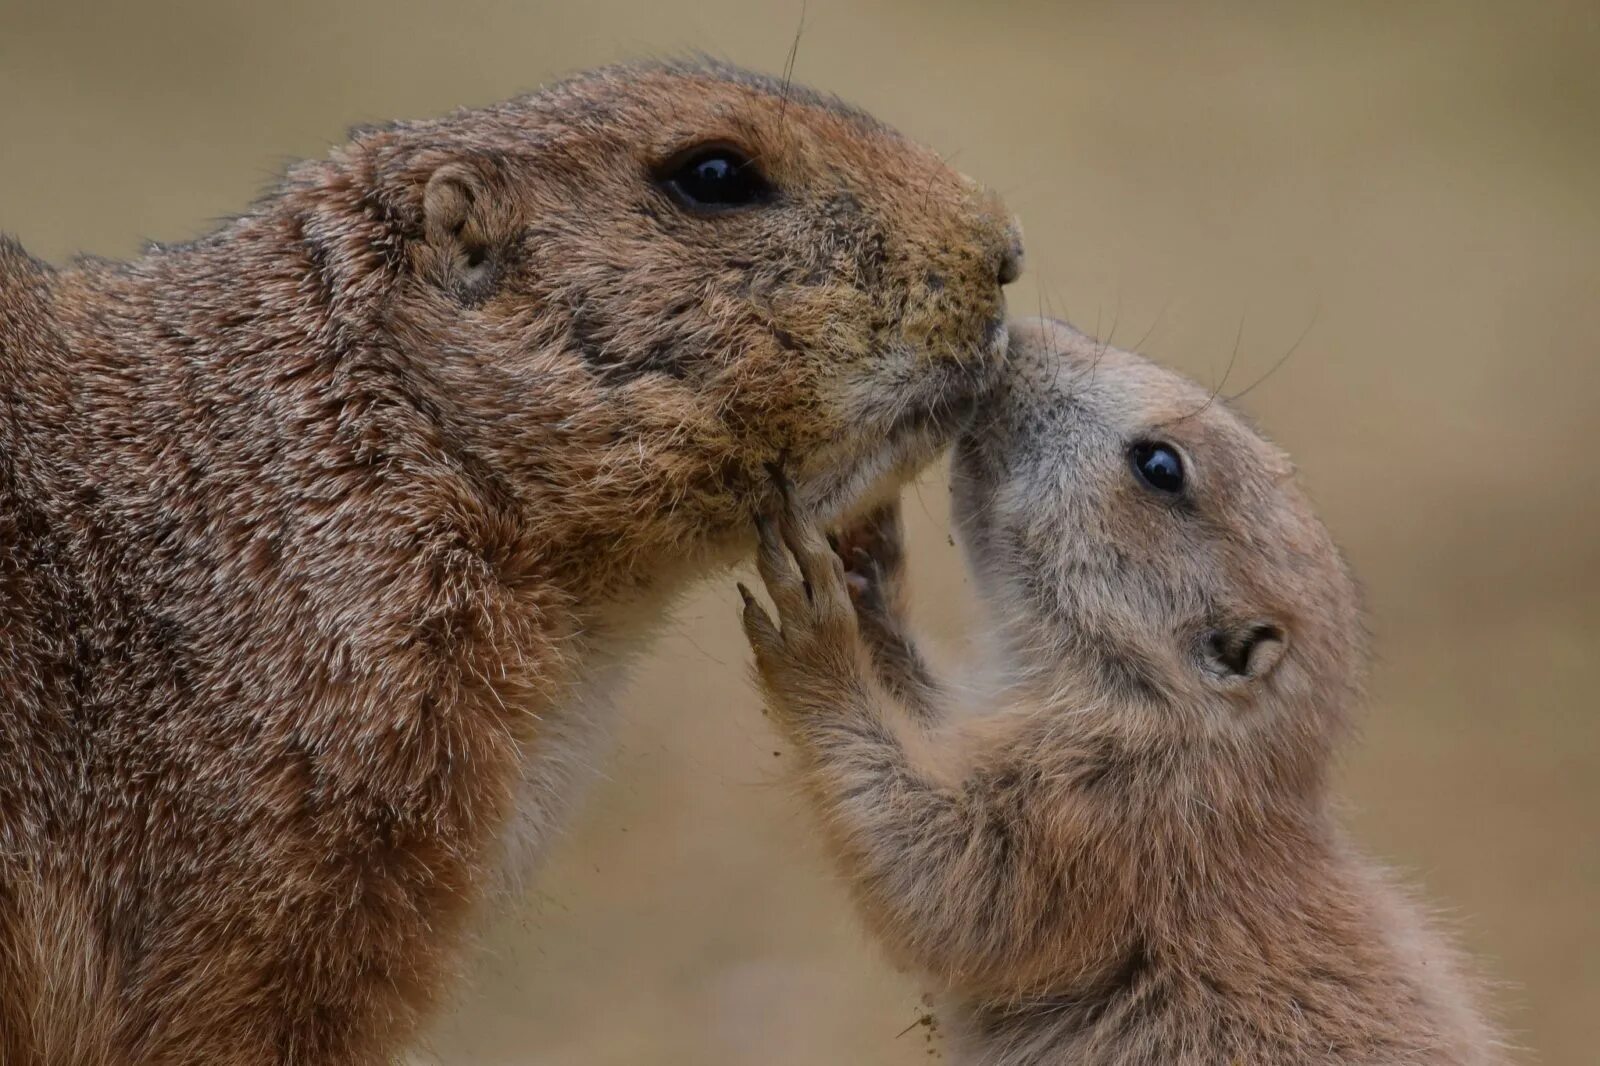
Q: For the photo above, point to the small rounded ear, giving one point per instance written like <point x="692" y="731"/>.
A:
<point x="1244" y="651"/>
<point x="459" y="223"/>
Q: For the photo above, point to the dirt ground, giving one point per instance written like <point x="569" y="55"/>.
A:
<point x="1410" y="186"/>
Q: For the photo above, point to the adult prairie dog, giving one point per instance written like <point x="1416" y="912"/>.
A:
<point x="321" y="536"/>
<point x="1117" y="848"/>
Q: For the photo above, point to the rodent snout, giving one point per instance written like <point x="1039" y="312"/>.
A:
<point x="1011" y="256"/>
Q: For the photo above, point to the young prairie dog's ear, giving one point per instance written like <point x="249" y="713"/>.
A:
<point x="465" y="230"/>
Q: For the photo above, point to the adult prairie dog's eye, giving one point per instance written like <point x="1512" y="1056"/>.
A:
<point x="1158" y="466"/>
<point x="716" y="178"/>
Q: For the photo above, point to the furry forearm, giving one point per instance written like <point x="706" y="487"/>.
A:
<point x="954" y="876"/>
<point x="901" y="666"/>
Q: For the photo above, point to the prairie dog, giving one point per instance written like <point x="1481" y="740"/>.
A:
<point x="320" y="534"/>
<point x="1117" y="848"/>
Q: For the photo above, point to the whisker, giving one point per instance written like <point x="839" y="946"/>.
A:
<point x="1226" y="373"/>
<point x="1284" y="358"/>
<point x="1154" y="324"/>
<point x="788" y="66"/>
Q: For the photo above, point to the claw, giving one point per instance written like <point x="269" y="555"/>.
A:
<point x="758" y="628"/>
<point x="780" y="478"/>
<point x="765" y="531"/>
<point x="865" y="579"/>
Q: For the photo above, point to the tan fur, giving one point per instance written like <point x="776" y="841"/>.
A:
<point x="319" y="535"/>
<point x="1121" y="851"/>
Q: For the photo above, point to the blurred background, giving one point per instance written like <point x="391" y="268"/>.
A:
<point x="1412" y="188"/>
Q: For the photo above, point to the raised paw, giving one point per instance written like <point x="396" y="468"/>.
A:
<point x="873" y="550"/>
<point x="814" y="638"/>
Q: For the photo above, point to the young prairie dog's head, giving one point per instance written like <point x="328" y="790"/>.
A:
<point x="1145" y="552"/>
<point x="733" y="267"/>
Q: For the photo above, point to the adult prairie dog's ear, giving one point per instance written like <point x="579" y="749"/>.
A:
<point x="1244" y="651"/>
<point x="465" y="229"/>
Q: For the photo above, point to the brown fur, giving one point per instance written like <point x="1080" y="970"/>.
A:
<point x="314" y="531"/>
<point x="1115" y="849"/>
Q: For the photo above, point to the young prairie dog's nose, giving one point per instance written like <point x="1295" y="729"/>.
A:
<point x="1039" y="337"/>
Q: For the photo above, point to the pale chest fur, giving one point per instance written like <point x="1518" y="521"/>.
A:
<point x="572" y="742"/>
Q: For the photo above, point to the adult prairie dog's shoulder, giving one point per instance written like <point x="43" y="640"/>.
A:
<point x="22" y="280"/>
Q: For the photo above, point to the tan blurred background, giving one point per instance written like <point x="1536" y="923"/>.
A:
<point x="1415" y="187"/>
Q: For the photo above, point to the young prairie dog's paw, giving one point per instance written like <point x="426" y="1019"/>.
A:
<point x="873" y="550"/>
<point x="814" y="645"/>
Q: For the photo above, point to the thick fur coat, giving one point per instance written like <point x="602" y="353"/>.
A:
<point x="315" y="532"/>
<point x="1113" y="845"/>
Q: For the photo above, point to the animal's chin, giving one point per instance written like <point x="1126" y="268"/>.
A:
<point x="881" y="466"/>
<point x="873" y="477"/>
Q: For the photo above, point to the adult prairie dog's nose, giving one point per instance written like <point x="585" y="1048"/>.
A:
<point x="996" y="235"/>
<point x="1011" y="254"/>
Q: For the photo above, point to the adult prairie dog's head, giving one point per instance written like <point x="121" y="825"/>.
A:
<point x="736" y="270"/>
<point x="1149" y="556"/>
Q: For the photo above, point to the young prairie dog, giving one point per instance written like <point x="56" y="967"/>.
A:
<point x="321" y="537"/>
<point x="1117" y="847"/>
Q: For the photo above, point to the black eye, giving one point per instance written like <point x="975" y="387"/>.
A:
<point x="1158" y="466"/>
<point x="717" y="178"/>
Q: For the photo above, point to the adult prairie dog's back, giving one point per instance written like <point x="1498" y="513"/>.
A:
<point x="1122" y="852"/>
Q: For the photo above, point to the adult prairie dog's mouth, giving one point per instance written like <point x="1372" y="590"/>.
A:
<point x="945" y="416"/>
<point x="902" y="449"/>
<point x="944" y="394"/>
<point x="996" y="339"/>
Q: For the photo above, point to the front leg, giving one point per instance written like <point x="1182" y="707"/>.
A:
<point x="873" y="551"/>
<point x="957" y="878"/>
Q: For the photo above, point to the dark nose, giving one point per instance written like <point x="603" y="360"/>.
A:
<point x="1011" y="257"/>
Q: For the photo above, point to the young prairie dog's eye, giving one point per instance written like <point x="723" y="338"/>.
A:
<point x="1159" y="466"/>
<point x="716" y="177"/>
